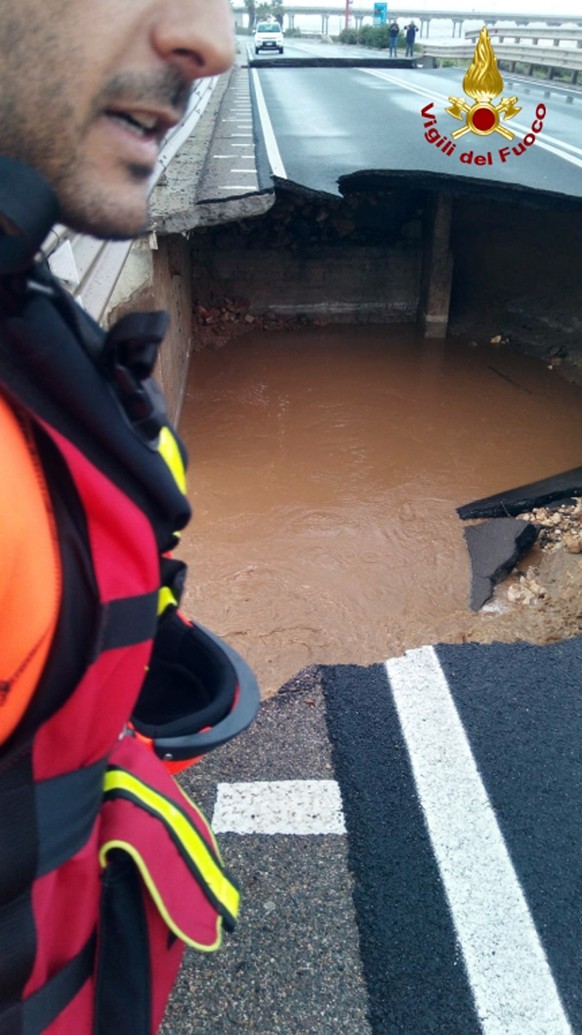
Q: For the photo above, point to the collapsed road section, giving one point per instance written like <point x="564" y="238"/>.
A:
<point x="478" y="260"/>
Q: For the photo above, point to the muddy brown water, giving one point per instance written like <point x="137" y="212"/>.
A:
<point x="325" y="468"/>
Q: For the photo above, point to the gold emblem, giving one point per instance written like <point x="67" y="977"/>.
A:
<point x="483" y="82"/>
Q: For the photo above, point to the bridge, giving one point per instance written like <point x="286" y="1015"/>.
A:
<point x="358" y="14"/>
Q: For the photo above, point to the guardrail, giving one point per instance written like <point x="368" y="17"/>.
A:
<point x="518" y="33"/>
<point x="553" y="58"/>
<point x="90" y="268"/>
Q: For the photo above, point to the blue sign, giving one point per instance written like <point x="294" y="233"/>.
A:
<point x="380" y="14"/>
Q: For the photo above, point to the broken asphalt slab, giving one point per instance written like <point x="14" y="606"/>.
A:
<point x="495" y="547"/>
<point x="331" y="62"/>
<point x="525" y="497"/>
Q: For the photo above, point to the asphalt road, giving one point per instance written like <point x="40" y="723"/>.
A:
<point x="440" y="890"/>
<point x="320" y="123"/>
<point x="406" y="836"/>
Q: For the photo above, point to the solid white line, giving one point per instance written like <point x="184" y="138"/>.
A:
<point x="512" y="984"/>
<point x="273" y="153"/>
<point x="279" y="807"/>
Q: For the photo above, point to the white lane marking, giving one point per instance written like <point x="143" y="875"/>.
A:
<point x="273" y="153"/>
<point x="512" y="984"/>
<point x="546" y="142"/>
<point x="279" y="807"/>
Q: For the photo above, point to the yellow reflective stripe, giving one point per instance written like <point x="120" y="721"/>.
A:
<point x="194" y="806"/>
<point x="166" y="599"/>
<point x="191" y="841"/>
<point x="160" y="905"/>
<point x="170" y="452"/>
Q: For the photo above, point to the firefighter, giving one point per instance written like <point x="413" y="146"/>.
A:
<point x="107" y="869"/>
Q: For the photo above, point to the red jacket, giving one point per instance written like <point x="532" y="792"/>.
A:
<point x="106" y="868"/>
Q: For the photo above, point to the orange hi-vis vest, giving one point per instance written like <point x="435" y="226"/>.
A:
<point x="30" y="571"/>
<point x="106" y="868"/>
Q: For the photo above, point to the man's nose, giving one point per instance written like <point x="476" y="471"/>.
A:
<point x="195" y="36"/>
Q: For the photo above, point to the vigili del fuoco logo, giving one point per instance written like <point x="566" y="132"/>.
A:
<point x="481" y="116"/>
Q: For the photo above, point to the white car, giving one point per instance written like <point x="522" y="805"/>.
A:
<point x="268" y="36"/>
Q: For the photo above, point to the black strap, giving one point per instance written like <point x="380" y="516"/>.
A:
<point x="67" y="807"/>
<point x="31" y="207"/>
<point x="41" y="1008"/>
<point x="128" y="621"/>
<point x="18" y="854"/>
<point x="37" y="1013"/>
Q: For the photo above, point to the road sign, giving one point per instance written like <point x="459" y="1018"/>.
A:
<point x="380" y="14"/>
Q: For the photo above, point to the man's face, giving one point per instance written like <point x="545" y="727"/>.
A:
<point x="89" y="88"/>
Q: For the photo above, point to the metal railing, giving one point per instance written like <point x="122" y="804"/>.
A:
<point x="89" y="268"/>
<point x="516" y="34"/>
<point x="568" y="59"/>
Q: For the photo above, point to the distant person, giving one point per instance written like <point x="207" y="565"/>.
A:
<point x="411" y="31"/>
<point x="393" y="31"/>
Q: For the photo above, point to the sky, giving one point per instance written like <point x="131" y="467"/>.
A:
<point x="573" y="8"/>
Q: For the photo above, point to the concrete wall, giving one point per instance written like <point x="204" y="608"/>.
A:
<point x="157" y="275"/>
<point x="512" y="269"/>
<point x="317" y="258"/>
<point x="380" y="256"/>
<point x="173" y="291"/>
<point x="341" y="284"/>
<point x="517" y="273"/>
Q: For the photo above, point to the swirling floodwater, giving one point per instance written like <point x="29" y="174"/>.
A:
<point x="326" y="466"/>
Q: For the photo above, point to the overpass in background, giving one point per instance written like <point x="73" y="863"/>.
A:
<point x="358" y="14"/>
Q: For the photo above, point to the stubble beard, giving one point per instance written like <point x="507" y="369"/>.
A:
<point x="98" y="211"/>
<point x="89" y="201"/>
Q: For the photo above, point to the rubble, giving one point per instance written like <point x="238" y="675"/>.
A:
<point x="560" y="527"/>
<point x="217" y="320"/>
<point x="559" y="534"/>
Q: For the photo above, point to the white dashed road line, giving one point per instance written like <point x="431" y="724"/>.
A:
<point x="279" y="807"/>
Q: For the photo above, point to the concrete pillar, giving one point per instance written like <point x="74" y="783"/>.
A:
<point x="172" y="284"/>
<point x="437" y="268"/>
